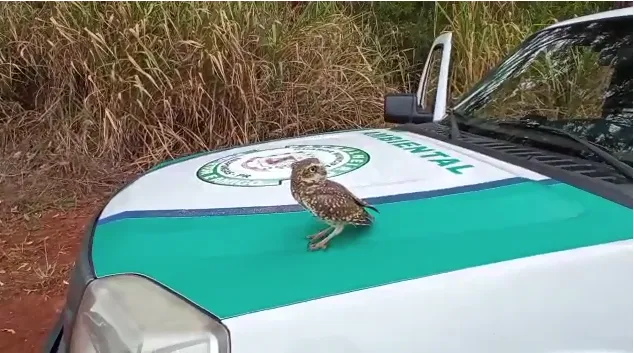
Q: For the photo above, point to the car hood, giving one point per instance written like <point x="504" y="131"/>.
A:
<point x="222" y="229"/>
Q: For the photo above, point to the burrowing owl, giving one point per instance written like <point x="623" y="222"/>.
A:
<point x="327" y="200"/>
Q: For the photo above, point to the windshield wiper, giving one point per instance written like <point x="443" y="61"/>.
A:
<point x="604" y="155"/>
<point x="455" y="130"/>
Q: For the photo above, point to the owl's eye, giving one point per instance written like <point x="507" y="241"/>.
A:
<point x="312" y="169"/>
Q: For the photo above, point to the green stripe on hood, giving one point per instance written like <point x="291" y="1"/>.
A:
<point x="234" y="265"/>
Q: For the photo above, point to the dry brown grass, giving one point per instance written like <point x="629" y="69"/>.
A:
<point x="143" y="82"/>
<point x="37" y="251"/>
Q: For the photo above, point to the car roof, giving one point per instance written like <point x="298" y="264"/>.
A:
<point x="593" y="17"/>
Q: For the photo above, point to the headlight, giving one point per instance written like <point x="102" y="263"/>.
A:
<point x="129" y="313"/>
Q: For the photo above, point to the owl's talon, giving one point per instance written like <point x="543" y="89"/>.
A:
<point x="314" y="238"/>
<point x="319" y="235"/>
<point x="317" y="246"/>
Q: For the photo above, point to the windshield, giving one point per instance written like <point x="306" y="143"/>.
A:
<point x="576" y="77"/>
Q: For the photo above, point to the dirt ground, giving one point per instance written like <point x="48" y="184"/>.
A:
<point x="43" y="213"/>
<point x="36" y="257"/>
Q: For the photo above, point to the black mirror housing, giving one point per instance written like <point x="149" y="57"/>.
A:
<point x="402" y="108"/>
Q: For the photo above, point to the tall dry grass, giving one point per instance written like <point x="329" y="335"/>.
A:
<point x="147" y="81"/>
<point x="144" y="81"/>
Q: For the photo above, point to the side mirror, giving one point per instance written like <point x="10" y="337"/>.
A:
<point x="420" y="107"/>
<point x="402" y="108"/>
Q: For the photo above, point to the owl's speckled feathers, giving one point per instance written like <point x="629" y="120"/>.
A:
<point x="333" y="203"/>
<point x="326" y="199"/>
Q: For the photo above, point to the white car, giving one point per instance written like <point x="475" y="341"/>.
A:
<point x="504" y="225"/>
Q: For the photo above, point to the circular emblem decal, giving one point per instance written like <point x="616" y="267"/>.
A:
<point x="271" y="167"/>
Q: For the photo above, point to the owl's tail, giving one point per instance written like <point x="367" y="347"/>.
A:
<point x="363" y="219"/>
<point x="372" y="208"/>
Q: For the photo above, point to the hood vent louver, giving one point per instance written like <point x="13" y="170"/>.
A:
<point x="553" y="159"/>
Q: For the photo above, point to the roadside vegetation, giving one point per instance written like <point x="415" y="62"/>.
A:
<point x="142" y="82"/>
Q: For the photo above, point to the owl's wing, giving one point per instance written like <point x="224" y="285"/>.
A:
<point x="358" y="201"/>
<point x="340" y="206"/>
